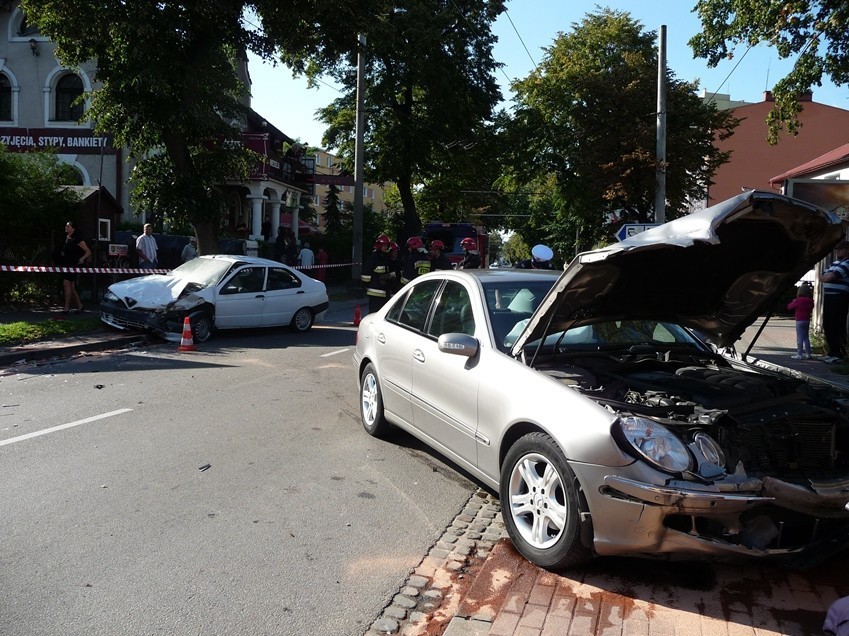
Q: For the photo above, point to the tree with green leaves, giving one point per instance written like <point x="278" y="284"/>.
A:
<point x="168" y="84"/>
<point x="332" y="210"/>
<point x="583" y="137"/>
<point x="815" y="33"/>
<point x="430" y="88"/>
<point x="33" y="205"/>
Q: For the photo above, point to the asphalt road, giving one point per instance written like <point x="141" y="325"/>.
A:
<point x="230" y="490"/>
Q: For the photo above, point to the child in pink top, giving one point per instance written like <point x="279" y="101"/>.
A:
<point x="803" y="306"/>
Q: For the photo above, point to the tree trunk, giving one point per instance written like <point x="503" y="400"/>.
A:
<point x="207" y="237"/>
<point x="412" y="222"/>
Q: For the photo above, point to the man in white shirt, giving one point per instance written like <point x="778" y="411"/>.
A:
<point x="190" y="250"/>
<point x="306" y="257"/>
<point x="146" y="249"/>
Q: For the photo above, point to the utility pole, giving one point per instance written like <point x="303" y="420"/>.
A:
<point x="357" y="248"/>
<point x="660" y="170"/>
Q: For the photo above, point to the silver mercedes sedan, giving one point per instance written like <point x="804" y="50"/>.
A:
<point x="606" y="403"/>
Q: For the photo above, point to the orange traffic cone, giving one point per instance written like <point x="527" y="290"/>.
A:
<point x="357" y="315"/>
<point x="187" y="343"/>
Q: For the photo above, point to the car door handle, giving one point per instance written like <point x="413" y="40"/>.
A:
<point x="300" y="291"/>
<point x="418" y="356"/>
<point x="260" y="296"/>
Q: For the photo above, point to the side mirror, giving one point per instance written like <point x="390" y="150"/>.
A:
<point x="459" y="344"/>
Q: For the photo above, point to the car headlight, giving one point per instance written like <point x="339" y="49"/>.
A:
<point x="647" y="440"/>
<point x="111" y="297"/>
<point x="714" y="458"/>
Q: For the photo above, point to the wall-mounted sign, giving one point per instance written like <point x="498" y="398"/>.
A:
<point x="62" y="140"/>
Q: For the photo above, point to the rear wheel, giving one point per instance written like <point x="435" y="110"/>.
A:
<point x="540" y="504"/>
<point x="202" y="326"/>
<point x="302" y="320"/>
<point x="371" y="403"/>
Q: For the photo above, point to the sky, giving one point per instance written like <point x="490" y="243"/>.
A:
<point x="523" y="32"/>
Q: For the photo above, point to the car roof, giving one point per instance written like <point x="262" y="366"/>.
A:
<point x="239" y="258"/>
<point x="500" y="275"/>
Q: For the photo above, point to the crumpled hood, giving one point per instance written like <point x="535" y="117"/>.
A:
<point x="715" y="270"/>
<point x="149" y="292"/>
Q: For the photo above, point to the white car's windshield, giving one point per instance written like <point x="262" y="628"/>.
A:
<point x="203" y="271"/>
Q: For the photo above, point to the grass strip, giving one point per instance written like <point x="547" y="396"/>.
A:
<point x="14" y="334"/>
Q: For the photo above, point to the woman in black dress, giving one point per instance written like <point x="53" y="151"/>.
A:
<point x="74" y="253"/>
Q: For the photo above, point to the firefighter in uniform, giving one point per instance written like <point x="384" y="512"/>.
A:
<point x="471" y="256"/>
<point x="376" y="274"/>
<point x="416" y="262"/>
<point x="438" y="259"/>
<point x="394" y="268"/>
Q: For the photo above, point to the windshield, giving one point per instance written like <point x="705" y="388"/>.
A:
<point x="615" y="335"/>
<point x="203" y="271"/>
<point x="511" y="303"/>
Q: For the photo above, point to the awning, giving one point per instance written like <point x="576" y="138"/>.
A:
<point x="303" y="226"/>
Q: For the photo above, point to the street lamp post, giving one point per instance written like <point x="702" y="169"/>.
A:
<point x="357" y="248"/>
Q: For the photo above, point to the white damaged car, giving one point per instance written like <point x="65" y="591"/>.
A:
<point x="216" y="292"/>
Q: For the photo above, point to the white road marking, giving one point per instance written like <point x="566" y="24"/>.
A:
<point x="62" y="427"/>
<point x="333" y="353"/>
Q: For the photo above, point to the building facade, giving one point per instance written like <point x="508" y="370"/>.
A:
<point x="38" y="112"/>
<point x="327" y="172"/>
<point x="754" y="162"/>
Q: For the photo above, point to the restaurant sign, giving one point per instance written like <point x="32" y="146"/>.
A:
<point x="62" y="140"/>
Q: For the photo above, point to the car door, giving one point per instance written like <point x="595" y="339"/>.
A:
<point x="241" y="300"/>
<point x="397" y="337"/>
<point x="284" y="294"/>
<point x="445" y="386"/>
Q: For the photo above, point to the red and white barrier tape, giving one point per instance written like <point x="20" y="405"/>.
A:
<point x="79" y="270"/>
<point x="115" y="270"/>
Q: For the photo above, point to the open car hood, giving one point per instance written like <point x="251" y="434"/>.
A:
<point x="715" y="270"/>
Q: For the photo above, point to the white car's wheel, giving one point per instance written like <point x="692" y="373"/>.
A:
<point x="540" y="504"/>
<point x="203" y="325"/>
<point x="302" y="320"/>
<point x="371" y="403"/>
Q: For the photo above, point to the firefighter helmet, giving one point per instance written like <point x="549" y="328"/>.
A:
<point x="414" y="243"/>
<point x="469" y="244"/>
<point x="437" y="245"/>
<point x="380" y="241"/>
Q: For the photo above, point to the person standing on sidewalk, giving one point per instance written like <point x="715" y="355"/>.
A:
<point x="146" y="249"/>
<point x="835" y="304"/>
<point x="74" y="253"/>
<point x="803" y="306"/>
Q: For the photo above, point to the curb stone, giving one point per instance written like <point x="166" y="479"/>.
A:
<point x="429" y="598"/>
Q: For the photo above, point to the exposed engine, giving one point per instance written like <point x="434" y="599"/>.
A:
<point x="773" y="424"/>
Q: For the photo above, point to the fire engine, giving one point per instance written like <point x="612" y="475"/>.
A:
<point x="451" y="234"/>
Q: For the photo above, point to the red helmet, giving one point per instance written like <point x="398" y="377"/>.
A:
<point x="380" y="241"/>
<point x="469" y="243"/>
<point x="414" y="242"/>
<point x="393" y="246"/>
<point x="437" y="244"/>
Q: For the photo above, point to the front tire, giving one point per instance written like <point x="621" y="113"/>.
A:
<point x="302" y="320"/>
<point x="203" y="326"/>
<point x="371" y="403"/>
<point x="540" y="504"/>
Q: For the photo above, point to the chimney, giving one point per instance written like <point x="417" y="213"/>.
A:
<point x="768" y="96"/>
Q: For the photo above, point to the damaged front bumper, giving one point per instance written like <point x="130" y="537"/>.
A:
<point x="167" y="324"/>
<point x="751" y="517"/>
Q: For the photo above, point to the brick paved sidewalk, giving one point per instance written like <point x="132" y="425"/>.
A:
<point x="617" y="596"/>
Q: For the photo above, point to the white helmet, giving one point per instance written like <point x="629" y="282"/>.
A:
<point x="542" y="253"/>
